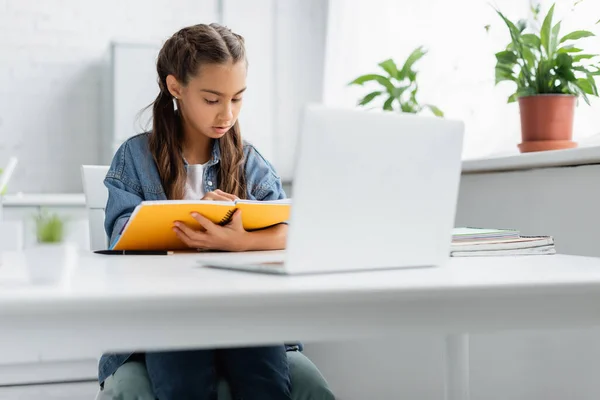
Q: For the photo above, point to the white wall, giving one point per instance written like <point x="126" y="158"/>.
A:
<point x="301" y="27"/>
<point x="50" y="52"/>
<point x="286" y="49"/>
<point x="52" y="56"/>
<point x="255" y="21"/>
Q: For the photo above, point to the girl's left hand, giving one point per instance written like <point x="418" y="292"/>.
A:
<point x="231" y="237"/>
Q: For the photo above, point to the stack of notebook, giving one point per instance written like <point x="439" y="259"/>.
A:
<point x="472" y="242"/>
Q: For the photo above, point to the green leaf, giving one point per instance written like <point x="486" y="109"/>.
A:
<point x="415" y="56"/>
<point x="529" y="58"/>
<point x="586" y="70"/>
<point x="388" y="104"/>
<point x="576" y="90"/>
<point x="593" y="70"/>
<point x="504" y="73"/>
<point x="389" y="66"/>
<point x="368" y="98"/>
<point x="412" y="76"/>
<point x="512" y="98"/>
<point x="576" y="35"/>
<point x="593" y="83"/>
<point x="511" y="26"/>
<point x="531" y="40"/>
<point x="587" y="100"/>
<point x="554" y="40"/>
<point x="590" y="79"/>
<point x="585" y="86"/>
<point x="569" y="49"/>
<point x="398" y="91"/>
<point x="413" y="94"/>
<point x="436" y="111"/>
<point x="564" y="61"/>
<point x="408" y="108"/>
<point x="580" y="57"/>
<point x="545" y="31"/>
<point x="515" y="33"/>
<point x="566" y="75"/>
<point x="374" y="77"/>
<point x="563" y="70"/>
<point x="528" y="91"/>
<point x="521" y="25"/>
<point x="506" y="57"/>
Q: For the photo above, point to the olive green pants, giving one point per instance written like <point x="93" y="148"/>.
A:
<point x="131" y="382"/>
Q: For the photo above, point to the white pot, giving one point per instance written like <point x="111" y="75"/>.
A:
<point x="50" y="263"/>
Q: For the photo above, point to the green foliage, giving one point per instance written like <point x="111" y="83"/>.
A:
<point x="399" y="85"/>
<point x="49" y="227"/>
<point x="545" y="63"/>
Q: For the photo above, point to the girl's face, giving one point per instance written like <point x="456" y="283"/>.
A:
<point x="211" y="101"/>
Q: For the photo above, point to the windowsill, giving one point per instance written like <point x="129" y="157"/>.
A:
<point x="546" y="159"/>
<point x="44" y="200"/>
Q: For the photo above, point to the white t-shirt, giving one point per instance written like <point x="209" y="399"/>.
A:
<point x="194" y="185"/>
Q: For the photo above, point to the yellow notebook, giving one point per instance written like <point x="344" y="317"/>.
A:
<point x="150" y="226"/>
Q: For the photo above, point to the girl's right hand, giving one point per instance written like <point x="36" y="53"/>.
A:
<point x="219" y="195"/>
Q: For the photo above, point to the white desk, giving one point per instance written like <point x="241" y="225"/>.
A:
<point x="96" y="303"/>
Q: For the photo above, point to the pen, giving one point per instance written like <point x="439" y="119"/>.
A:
<point x="135" y="252"/>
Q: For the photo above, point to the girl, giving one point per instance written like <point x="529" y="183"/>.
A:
<point x="195" y="151"/>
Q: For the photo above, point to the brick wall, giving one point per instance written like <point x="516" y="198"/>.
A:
<point x="50" y="52"/>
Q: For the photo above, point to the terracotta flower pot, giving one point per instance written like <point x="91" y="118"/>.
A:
<point x="547" y="122"/>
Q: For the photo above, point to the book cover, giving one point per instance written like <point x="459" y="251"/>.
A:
<point x="503" y="244"/>
<point x="528" y="251"/>
<point x="471" y="234"/>
<point x="150" y="226"/>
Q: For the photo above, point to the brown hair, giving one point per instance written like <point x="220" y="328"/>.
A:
<point x="181" y="56"/>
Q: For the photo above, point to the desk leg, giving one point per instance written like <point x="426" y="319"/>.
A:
<point x="457" y="367"/>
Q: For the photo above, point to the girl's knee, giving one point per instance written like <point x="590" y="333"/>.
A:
<point x="307" y="381"/>
<point x="129" y="382"/>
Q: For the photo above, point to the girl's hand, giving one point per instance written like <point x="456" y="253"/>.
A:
<point x="219" y="195"/>
<point x="231" y="237"/>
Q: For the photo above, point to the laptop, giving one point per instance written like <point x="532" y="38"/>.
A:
<point x="371" y="190"/>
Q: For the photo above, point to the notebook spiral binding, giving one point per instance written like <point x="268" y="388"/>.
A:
<point x="227" y="217"/>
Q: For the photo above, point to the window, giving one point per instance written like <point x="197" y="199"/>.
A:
<point x="457" y="74"/>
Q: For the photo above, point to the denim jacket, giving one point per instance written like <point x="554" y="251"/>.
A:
<point x="133" y="177"/>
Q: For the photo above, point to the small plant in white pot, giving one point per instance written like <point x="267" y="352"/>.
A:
<point x="48" y="261"/>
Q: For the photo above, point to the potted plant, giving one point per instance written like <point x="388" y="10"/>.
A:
<point x="49" y="228"/>
<point x="550" y="72"/>
<point x="49" y="261"/>
<point x="399" y="86"/>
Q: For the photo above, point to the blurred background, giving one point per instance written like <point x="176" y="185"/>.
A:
<point x="75" y="74"/>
